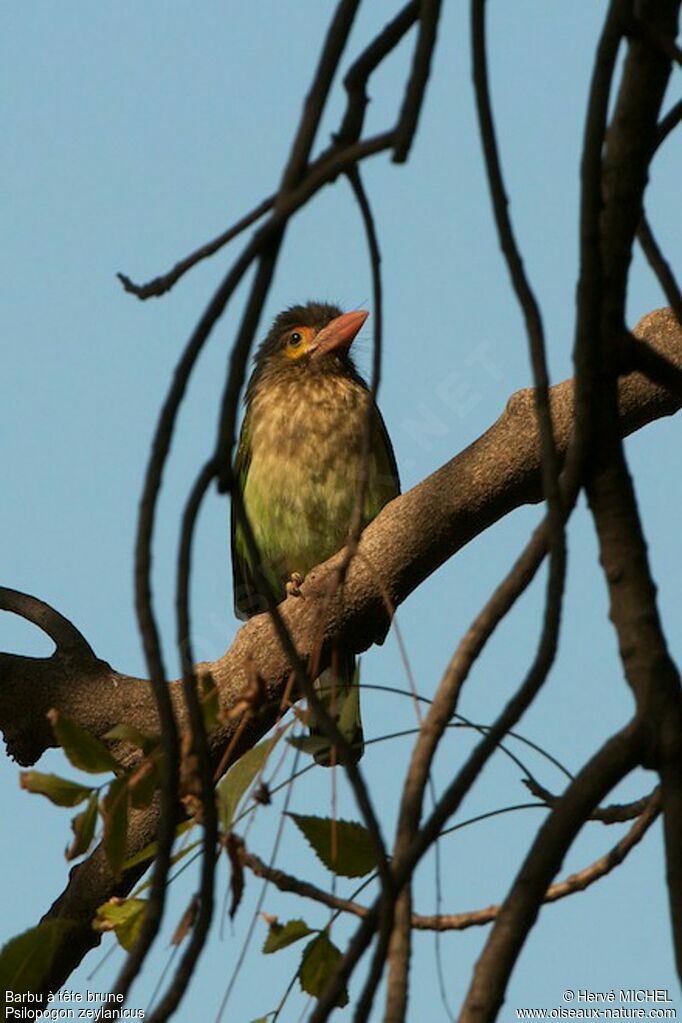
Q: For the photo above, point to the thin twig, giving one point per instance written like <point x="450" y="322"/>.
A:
<point x="356" y="523"/>
<point x="667" y="124"/>
<point x="425" y="748"/>
<point x="611" y="207"/>
<point x="200" y="751"/>
<point x="660" y="266"/>
<point x="315" y="103"/>
<point x="439" y="922"/>
<point x="490" y="978"/>
<point x="160" y="285"/>
<point x="261" y="895"/>
<point x="355" y="83"/>
<point x="291" y="178"/>
<point x="616" y="813"/>
<point x="616" y="758"/>
<point x="357" y="76"/>
<point x="429" y="14"/>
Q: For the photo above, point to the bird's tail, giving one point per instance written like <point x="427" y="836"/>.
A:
<point x="337" y="688"/>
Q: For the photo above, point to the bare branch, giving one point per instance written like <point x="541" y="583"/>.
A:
<point x="660" y="266"/>
<point x="160" y="285"/>
<point x="518" y="912"/>
<point x="69" y="641"/>
<point x="648" y="666"/>
<point x="429" y="14"/>
<point x="267" y="257"/>
<point x="357" y="76"/>
<point x="199" y="751"/>
<point x="433" y="727"/>
<point x="668" y="123"/>
<point x="617" y="813"/>
<point x="607" y="235"/>
<point x="577" y="882"/>
<point x="496" y="474"/>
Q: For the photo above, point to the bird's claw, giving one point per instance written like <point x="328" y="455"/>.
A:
<point x="293" y="585"/>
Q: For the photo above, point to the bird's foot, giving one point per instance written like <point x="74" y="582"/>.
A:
<point x="293" y="585"/>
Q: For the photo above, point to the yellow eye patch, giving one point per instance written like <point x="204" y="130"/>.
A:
<point x="297" y="340"/>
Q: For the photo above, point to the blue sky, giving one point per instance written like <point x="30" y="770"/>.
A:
<point x="133" y="133"/>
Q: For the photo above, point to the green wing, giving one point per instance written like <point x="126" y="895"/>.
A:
<point x="386" y="485"/>
<point x="247" y="601"/>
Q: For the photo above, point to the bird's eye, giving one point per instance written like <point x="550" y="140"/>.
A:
<point x="296" y="342"/>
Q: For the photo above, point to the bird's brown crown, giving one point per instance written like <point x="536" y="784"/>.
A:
<point x="290" y="347"/>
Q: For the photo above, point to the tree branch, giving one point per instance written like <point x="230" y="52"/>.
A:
<point x="577" y="882"/>
<point x="69" y="641"/>
<point x="497" y="473"/>
<point x="429" y="14"/>
<point x="660" y="266"/>
<point x="516" y="916"/>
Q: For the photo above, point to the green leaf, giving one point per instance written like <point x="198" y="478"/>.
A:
<point x="281" y="935"/>
<point x="345" y="847"/>
<point x="320" y="960"/>
<point x="115" y="814"/>
<point x="237" y="780"/>
<point x="124" y="916"/>
<point x="129" y="733"/>
<point x="58" y="790"/>
<point x="83" y="825"/>
<point x="26" y="959"/>
<point x="83" y="750"/>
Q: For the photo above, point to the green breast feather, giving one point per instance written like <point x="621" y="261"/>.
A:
<point x="298" y="466"/>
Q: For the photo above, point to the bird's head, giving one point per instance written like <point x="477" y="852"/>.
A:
<point x="313" y="338"/>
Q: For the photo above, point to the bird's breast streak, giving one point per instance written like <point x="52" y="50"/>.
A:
<point x="303" y="478"/>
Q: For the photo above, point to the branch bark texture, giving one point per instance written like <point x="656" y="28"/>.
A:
<point x="411" y="538"/>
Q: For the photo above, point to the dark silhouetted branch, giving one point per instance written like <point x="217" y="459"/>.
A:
<point x="199" y="751"/>
<point x="69" y="641"/>
<point x="519" y="910"/>
<point x="660" y="266"/>
<point x="160" y="285"/>
<point x="429" y="14"/>
<point x="617" y="813"/>
<point x="357" y="76"/>
<point x="496" y="474"/>
<point x="577" y="882"/>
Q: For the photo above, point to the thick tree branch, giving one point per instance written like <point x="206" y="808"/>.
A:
<point x="497" y="473"/>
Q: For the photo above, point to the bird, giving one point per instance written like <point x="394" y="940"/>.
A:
<point x="298" y="468"/>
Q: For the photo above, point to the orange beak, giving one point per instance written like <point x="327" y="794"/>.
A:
<point x="339" y="334"/>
